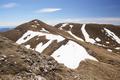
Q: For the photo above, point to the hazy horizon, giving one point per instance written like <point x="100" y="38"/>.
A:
<point x="14" y="12"/>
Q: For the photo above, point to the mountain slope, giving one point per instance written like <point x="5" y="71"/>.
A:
<point x="34" y="25"/>
<point x="106" y="36"/>
<point x="81" y="41"/>
<point x="19" y="63"/>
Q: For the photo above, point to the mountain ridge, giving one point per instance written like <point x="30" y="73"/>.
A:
<point x="77" y="46"/>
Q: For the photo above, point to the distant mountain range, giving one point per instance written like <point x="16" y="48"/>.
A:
<point x="3" y="29"/>
<point x="92" y="51"/>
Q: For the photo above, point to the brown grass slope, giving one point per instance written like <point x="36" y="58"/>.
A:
<point x="107" y="67"/>
<point x="18" y="63"/>
<point x="103" y="54"/>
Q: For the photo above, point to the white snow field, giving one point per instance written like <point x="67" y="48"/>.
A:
<point x="30" y="34"/>
<point x="71" y="55"/>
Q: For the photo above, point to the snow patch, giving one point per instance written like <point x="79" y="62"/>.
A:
<point x="44" y="30"/>
<point x="71" y="55"/>
<point x="97" y="39"/>
<point x="86" y="35"/>
<point x="40" y="47"/>
<point x="26" y="35"/>
<point x="112" y="35"/>
<point x="71" y="26"/>
<point x="63" y="25"/>
<point x="75" y="36"/>
<point x="33" y="34"/>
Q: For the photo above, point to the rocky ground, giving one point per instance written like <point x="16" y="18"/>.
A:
<point x="19" y="63"/>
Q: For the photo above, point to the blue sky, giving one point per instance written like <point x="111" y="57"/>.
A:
<point x="15" y="12"/>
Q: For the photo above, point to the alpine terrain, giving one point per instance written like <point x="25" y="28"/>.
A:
<point x="67" y="51"/>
